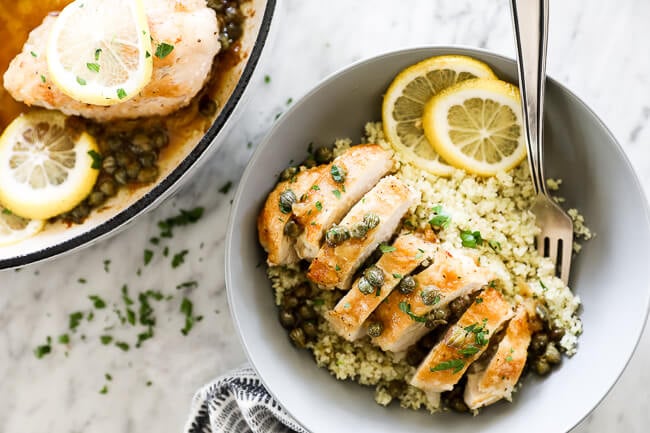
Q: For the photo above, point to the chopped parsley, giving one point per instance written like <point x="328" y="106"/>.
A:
<point x="406" y="308"/>
<point x="93" y="67"/>
<point x="226" y="187"/>
<point x="337" y="268"/>
<point x="98" y="52"/>
<point x="163" y="50"/>
<point x="186" y="309"/>
<point x="188" y="285"/>
<point x="384" y="248"/>
<point x="107" y="264"/>
<point x="43" y="79"/>
<point x="398" y="276"/>
<point x="315" y="188"/>
<point x="98" y="302"/>
<point x="338" y="174"/>
<point x="419" y="254"/>
<point x="289" y="101"/>
<point x="454" y="364"/>
<point x="106" y="339"/>
<point x="43" y="349"/>
<point x="319" y="206"/>
<point x="469" y="351"/>
<point x="471" y="239"/>
<point x="439" y="220"/>
<point x="104" y="390"/>
<point x="479" y="300"/>
<point x="64" y="339"/>
<point x="81" y="281"/>
<point x="97" y="159"/>
<point x="185" y="217"/>
<point x="267" y="79"/>
<point x="7" y="211"/>
<point x="148" y="255"/>
<point x="121" y="93"/>
<point x="74" y="320"/>
<point x="123" y="345"/>
<point x="495" y="245"/>
<point x="33" y="54"/>
<point x="479" y="331"/>
<point x="179" y="258"/>
<point x="81" y="81"/>
<point x="509" y="358"/>
<point x="336" y="193"/>
<point x="108" y="377"/>
<point x="543" y="285"/>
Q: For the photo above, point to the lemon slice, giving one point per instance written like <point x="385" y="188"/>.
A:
<point x="404" y="105"/>
<point x="476" y="125"/>
<point x="45" y="168"/>
<point x="14" y="229"/>
<point x="99" y="51"/>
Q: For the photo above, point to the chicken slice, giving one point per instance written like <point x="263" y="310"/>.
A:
<point x="334" y="266"/>
<point x="353" y="309"/>
<point x="463" y="343"/>
<point x="362" y="166"/>
<point x="452" y="274"/>
<point x="272" y="220"/>
<point x="496" y="380"/>
<point x="189" y="25"/>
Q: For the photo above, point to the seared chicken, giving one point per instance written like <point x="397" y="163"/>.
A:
<point x="463" y="343"/>
<point x="346" y="180"/>
<point x="349" y="315"/>
<point x="389" y="200"/>
<point x="189" y="25"/>
<point x="452" y="274"/>
<point x="489" y="383"/>
<point x="273" y="219"/>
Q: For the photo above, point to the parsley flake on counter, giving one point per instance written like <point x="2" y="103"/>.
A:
<point x="107" y="264"/>
<point x="81" y="281"/>
<point x="104" y="390"/>
<point x="43" y="349"/>
<point x="98" y="302"/>
<point x="179" y="258"/>
<point x="267" y="79"/>
<point x="74" y="320"/>
<point x="108" y="377"/>
<point x="106" y="339"/>
<point x="64" y="339"/>
<point x="122" y="345"/>
<point x="188" y="285"/>
<point x="185" y="217"/>
<point x="226" y="187"/>
<point x="148" y="255"/>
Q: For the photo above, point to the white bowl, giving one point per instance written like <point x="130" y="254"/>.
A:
<point x="609" y="274"/>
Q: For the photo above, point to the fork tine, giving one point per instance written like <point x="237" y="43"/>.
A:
<point x="539" y="243"/>
<point x="567" y="250"/>
<point x="552" y="250"/>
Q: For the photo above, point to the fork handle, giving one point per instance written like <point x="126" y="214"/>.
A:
<point x="530" y="20"/>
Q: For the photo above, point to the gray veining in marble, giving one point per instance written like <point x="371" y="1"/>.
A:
<point x="597" y="48"/>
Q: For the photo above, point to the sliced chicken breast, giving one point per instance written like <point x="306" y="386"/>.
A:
<point x="452" y="274"/>
<point x="272" y="221"/>
<point x="490" y="383"/>
<point x="353" y="309"/>
<point x="346" y="180"/>
<point x="389" y="200"/>
<point x="463" y="343"/>
<point x="189" y="25"/>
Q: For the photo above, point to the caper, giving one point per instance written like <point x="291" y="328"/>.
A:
<point x="430" y="296"/>
<point x="159" y="138"/>
<point x="336" y="235"/>
<point x="406" y="285"/>
<point x="310" y="329"/>
<point x="370" y="220"/>
<point x="109" y="164"/>
<point x="123" y="158"/>
<point x="434" y="323"/>
<point x="147" y="174"/>
<point x="120" y="176"/>
<point x="290" y="302"/>
<point x="302" y="291"/>
<point x="375" y="276"/>
<point x="358" y="231"/>
<point x="207" y="107"/>
<point x="556" y="333"/>
<point x="458" y="306"/>
<point x="147" y="159"/>
<point x="287" y="319"/>
<point x="552" y="355"/>
<point x="107" y="186"/>
<point x="439" y="314"/>
<point x="365" y="287"/>
<point x="297" y="336"/>
<point x="541" y="366"/>
<point x="310" y="162"/>
<point x="96" y="198"/>
<point x="292" y="229"/>
<point x="323" y="155"/>
<point x="542" y="312"/>
<point x="395" y="388"/>
<point x="288" y="173"/>
<point x="538" y="343"/>
<point x="287" y="199"/>
<point x="132" y="169"/>
<point x="114" y="142"/>
<point x="306" y="312"/>
<point x="375" y="329"/>
<point x="457" y="404"/>
<point x="141" y="143"/>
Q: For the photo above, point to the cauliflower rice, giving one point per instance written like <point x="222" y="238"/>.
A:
<point x="497" y="207"/>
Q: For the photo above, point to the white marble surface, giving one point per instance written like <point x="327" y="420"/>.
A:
<point x="597" y="48"/>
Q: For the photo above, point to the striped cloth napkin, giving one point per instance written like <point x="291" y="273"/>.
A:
<point x="237" y="402"/>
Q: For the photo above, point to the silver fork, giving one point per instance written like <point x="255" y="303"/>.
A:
<point x="555" y="240"/>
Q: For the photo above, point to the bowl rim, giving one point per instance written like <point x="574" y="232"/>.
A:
<point x="459" y="49"/>
<point x="158" y="192"/>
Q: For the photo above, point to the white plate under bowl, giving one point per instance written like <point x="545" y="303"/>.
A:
<point x="609" y="274"/>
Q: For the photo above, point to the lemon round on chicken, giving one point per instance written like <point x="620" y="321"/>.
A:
<point x="406" y="97"/>
<point x="99" y="51"/>
<point x="476" y="125"/>
<point x="46" y="168"/>
<point x="14" y="229"/>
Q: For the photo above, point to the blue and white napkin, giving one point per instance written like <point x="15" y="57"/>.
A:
<point x="237" y="402"/>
